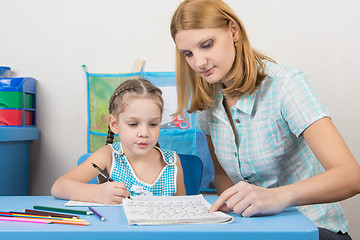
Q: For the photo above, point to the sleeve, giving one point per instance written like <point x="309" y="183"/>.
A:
<point x="300" y="105"/>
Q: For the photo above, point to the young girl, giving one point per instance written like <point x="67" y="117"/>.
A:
<point x="272" y="142"/>
<point x="136" y="163"/>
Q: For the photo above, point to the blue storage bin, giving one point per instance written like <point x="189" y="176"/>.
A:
<point x="15" y="159"/>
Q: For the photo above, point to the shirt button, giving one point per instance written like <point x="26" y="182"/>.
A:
<point x="235" y="154"/>
<point x="237" y="120"/>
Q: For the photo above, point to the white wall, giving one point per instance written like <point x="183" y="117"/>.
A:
<point x="50" y="40"/>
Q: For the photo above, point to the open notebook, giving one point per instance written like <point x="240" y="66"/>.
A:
<point x="72" y="203"/>
<point x="150" y="210"/>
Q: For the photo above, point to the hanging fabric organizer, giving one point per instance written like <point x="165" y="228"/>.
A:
<point x="101" y="86"/>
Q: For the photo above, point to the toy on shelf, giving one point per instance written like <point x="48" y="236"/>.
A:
<point x="4" y="72"/>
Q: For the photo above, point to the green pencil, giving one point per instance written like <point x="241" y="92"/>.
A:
<point x="83" y="212"/>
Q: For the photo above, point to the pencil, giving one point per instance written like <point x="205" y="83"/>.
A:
<point x="28" y="220"/>
<point x="51" y="214"/>
<point x="38" y="220"/>
<point x="82" y="223"/>
<point x="104" y="174"/>
<point x="97" y="214"/>
<point x="83" y="212"/>
<point x="4" y="214"/>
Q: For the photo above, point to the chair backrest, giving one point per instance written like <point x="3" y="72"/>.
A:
<point x="192" y="169"/>
<point x="82" y="158"/>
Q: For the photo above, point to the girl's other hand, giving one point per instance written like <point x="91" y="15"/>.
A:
<point x="249" y="200"/>
<point x="112" y="192"/>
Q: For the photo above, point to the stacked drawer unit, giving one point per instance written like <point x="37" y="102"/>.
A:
<point x="17" y="102"/>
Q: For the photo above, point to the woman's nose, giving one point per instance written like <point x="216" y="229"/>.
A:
<point x="200" y="61"/>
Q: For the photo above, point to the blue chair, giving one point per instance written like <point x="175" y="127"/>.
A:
<point x="192" y="169"/>
<point x="82" y="158"/>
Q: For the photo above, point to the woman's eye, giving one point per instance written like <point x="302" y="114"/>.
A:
<point x="187" y="54"/>
<point x="207" y="44"/>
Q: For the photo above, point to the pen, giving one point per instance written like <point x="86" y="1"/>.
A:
<point x="97" y="214"/>
<point x="104" y="174"/>
<point x="83" y="212"/>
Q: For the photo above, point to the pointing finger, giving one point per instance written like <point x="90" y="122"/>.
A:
<point x="220" y="202"/>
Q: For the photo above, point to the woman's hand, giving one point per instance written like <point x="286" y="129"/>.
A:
<point x="249" y="200"/>
<point x="112" y="192"/>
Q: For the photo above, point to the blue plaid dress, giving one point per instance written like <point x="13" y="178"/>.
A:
<point x="270" y="150"/>
<point x="164" y="185"/>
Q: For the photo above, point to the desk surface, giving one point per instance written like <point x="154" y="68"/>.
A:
<point x="289" y="224"/>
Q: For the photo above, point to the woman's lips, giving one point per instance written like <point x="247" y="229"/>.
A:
<point x="207" y="72"/>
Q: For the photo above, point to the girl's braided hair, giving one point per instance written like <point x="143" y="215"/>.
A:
<point x="131" y="87"/>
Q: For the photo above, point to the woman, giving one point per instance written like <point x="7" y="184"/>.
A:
<point x="272" y="142"/>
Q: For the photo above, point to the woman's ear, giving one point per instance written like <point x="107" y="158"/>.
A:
<point x="234" y="29"/>
<point x="112" y="124"/>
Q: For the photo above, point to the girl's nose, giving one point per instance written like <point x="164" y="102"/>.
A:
<point x="143" y="132"/>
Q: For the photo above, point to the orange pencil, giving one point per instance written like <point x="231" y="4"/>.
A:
<point x="82" y="223"/>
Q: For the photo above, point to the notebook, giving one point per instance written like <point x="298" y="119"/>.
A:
<point x="72" y="203"/>
<point x="163" y="210"/>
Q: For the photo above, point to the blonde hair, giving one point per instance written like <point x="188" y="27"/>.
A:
<point x="246" y="73"/>
<point x="132" y="88"/>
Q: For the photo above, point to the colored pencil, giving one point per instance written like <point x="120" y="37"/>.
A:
<point x="44" y="215"/>
<point x="51" y="214"/>
<point x="38" y="220"/>
<point x="97" y="214"/>
<point x="75" y="211"/>
<point x="4" y="214"/>
<point x="82" y="223"/>
<point x="28" y="220"/>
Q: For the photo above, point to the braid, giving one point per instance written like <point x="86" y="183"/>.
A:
<point x="110" y="137"/>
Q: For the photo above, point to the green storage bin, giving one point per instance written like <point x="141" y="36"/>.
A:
<point x="11" y="99"/>
<point x="15" y="100"/>
<point x="29" y="100"/>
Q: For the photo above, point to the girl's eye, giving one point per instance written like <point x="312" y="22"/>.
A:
<point x="153" y="124"/>
<point x="133" y="124"/>
<point x="207" y="44"/>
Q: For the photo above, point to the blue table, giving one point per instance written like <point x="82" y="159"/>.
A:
<point x="289" y="224"/>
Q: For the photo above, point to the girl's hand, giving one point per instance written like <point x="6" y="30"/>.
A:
<point x="112" y="192"/>
<point x="248" y="200"/>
